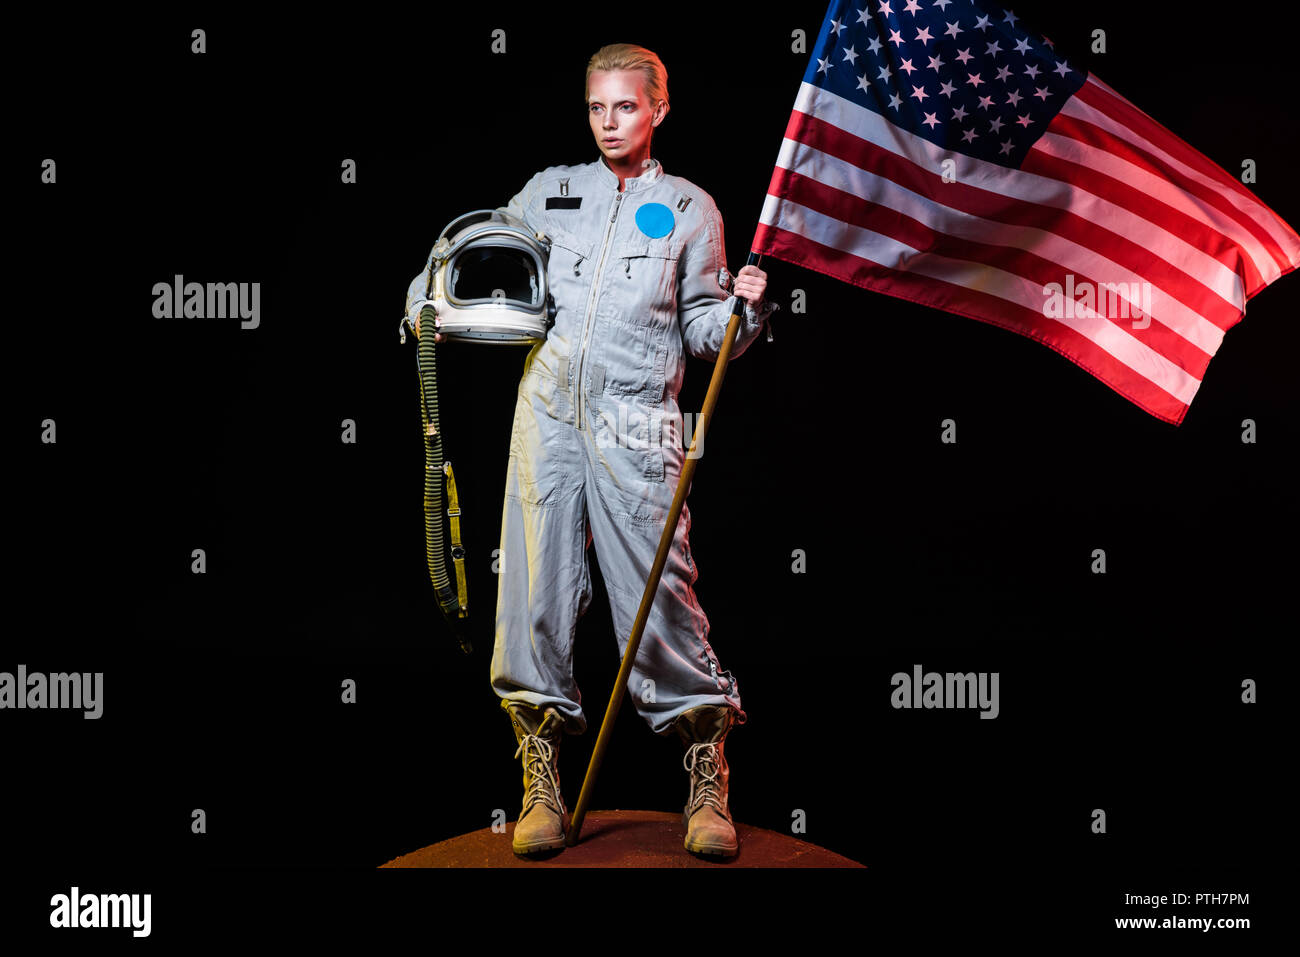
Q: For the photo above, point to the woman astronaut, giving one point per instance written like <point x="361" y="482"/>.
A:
<point x="638" y="272"/>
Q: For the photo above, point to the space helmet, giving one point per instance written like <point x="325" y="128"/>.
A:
<point x="487" y="280"/>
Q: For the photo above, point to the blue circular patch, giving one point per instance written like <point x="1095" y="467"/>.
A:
<point x="655" y="220"/>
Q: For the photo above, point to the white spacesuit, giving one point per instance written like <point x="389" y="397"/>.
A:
<point x="639" y="278"/>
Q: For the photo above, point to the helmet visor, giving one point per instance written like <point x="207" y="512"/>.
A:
<point x="492" y="274"/>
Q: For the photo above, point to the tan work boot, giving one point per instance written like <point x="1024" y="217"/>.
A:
<point x="541" y="822"/>
<point x="709" y="828"/>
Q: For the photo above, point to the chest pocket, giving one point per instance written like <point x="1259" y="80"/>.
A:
<point x="569" y="270"/>
<point x="568" y="252"/>
<point x="646" y="270"/>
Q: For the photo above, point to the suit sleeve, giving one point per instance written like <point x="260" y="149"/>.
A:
<point x="522" y="204"/>
<point x="703" y="306"/>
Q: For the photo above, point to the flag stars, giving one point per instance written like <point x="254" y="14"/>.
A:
<point x="973" y="89"/>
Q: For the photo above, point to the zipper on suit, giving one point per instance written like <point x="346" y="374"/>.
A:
<point x="591" y="299"/>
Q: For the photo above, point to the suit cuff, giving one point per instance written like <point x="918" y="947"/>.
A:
<point x="765" y="309"/>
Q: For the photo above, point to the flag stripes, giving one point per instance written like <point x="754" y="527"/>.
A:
<point x="1106" y="199"/>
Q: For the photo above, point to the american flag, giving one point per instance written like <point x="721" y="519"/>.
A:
<point x="943" y="153"/>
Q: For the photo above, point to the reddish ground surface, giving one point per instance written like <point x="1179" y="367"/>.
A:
<point x="623" y="839"/>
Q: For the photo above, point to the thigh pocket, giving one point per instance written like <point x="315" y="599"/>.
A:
<point x="534" y="471"/>
<point x="630" y="462"/>
<point x="550" y="394"/>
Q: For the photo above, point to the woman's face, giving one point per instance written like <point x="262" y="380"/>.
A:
<point x="621" y="116"/>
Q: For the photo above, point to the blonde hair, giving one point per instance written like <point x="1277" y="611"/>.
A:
<point x="628" y="56"/>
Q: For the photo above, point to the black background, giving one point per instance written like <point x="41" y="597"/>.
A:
<point x="222" y="690"/>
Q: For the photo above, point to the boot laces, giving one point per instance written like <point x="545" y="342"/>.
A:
<point x="543" y="783"/>
<point x="705" y="763"/>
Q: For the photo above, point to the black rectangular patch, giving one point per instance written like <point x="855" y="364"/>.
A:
<point x="563" y="202"/>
